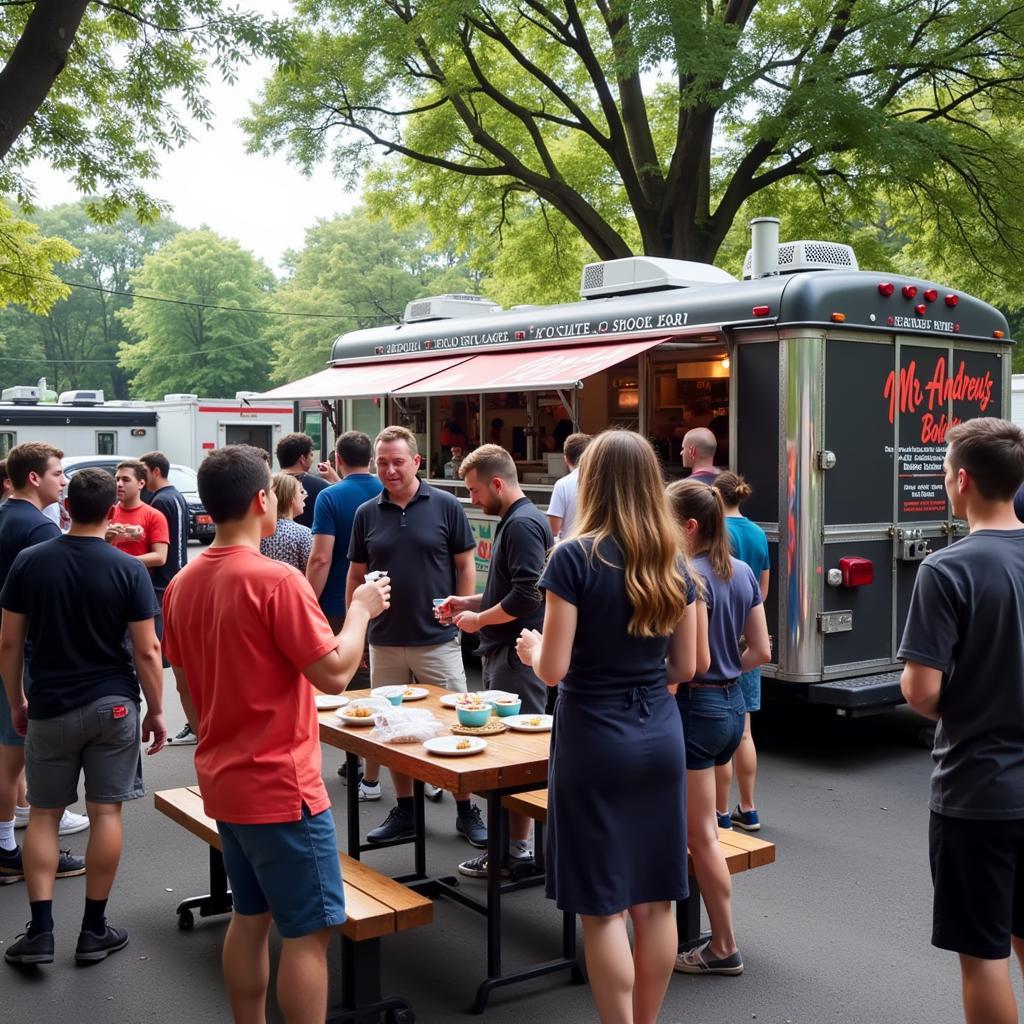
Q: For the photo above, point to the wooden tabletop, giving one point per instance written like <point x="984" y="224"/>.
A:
<point x="511" y="758"/>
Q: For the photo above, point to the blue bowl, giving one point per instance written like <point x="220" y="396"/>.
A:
<point x="473" y="718"/>
<point x="507" y="710"/>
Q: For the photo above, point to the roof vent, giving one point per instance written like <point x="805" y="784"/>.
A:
<point x="448" y="307"/>
<point x="647" y="274"/>
<point x="798" y="257"/>
<point x="80" y="397"/>
<point x="22" y="394"/>
<point x="244" y="396"/>
<point x="181" y="398"/>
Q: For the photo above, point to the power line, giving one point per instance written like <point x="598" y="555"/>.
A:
<point x="392" y="318"/>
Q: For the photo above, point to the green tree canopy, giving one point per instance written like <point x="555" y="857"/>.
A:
<point x="75" y="344"/>
<point x="26" y="263"/>
<point x="207" y="335"/>
<point x="649" y="125"/>
<point x="363" y="269"/>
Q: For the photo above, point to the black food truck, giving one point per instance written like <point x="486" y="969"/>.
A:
<point x="829" y="388"/>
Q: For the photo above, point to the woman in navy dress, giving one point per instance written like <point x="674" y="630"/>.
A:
<point x="619" y="601"/>
<point x="712" y="707"/>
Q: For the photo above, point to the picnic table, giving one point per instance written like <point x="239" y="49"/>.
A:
<point x="513" y="762"/>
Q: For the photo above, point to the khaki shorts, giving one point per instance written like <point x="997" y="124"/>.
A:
<point x="437" y="665"/>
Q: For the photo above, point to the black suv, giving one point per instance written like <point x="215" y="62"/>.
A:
<point x="200" y="525"/>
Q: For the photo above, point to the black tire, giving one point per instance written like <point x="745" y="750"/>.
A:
<point x="186" y="920"/>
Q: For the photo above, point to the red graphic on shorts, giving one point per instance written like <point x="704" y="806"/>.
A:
<point x="120" y="711"/>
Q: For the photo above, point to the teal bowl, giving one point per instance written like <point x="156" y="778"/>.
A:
<point x="475" y="717"/>
<point x="507" y="710"/>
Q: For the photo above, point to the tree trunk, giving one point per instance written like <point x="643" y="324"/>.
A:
<point x="37" y="60"/>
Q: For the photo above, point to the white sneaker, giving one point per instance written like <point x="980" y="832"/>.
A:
<point x="368" y="792"/>
<point x="432" y="792"/>
<point x="70" y="823"/>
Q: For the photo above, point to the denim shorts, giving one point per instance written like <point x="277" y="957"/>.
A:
<point x="100" y="738"/>
<point x="289" y="868"/>
<point x="712" y="723"/>
<point x="750" y="684"/>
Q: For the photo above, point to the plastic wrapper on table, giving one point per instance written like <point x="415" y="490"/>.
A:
<point x="406" y="725"/>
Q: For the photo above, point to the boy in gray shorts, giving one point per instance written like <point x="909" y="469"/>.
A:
<point x="83" y="710"/>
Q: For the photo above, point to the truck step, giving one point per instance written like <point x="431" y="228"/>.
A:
<point x="861" y="691"/>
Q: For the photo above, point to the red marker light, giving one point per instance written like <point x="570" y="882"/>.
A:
<point x="956" y="328"/>
<point x="520" y="335"/>
<point x="838" y="318"/>
<point x="952" y="300"/>
<point x="886" y="288"/>
<point x="931" y="294"/>
<point x="909" y="291"/>
<point x="921" y="309"/>
<point x="999" y="334"/>
<point x="760" y="310"/>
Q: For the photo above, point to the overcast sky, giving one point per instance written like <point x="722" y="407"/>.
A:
<point x="263" y="202"/>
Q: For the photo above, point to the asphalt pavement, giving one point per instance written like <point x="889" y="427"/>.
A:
<point x="836" y="930"/>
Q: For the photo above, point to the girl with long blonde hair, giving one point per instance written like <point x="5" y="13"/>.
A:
<point x="619" y="602"/>
<point x="711" y="706"/>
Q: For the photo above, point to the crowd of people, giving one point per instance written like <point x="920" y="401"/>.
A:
<point x="642" y="628"/>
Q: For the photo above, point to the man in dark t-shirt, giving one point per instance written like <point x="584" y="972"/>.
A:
<point x="963" y="648"/>
<point x="295" y="457"/>
<point x="510" y="603"/>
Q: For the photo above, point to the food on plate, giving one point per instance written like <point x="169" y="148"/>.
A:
<point x="463" y="745"/>
<point x="408" y="692"/>
<point x="360" y="712"/>
<point x="535" y="721"/>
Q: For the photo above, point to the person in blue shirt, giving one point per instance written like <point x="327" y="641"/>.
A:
<point x="749" y="544"/>
<point x="333" y="513"/>
<point x="712" y="708"/>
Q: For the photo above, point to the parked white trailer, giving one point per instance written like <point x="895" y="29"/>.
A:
<point x="1017" y="400"/>
<point x="183" y="427"/>
<point x="189" y="426"/>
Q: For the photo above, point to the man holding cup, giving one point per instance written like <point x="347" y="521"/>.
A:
<point x="420" y="536"/>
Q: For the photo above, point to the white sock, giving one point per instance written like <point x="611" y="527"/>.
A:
<point x="20" y="811"/>
<point x="7" y="835"/>
<point x="521" y="848"/>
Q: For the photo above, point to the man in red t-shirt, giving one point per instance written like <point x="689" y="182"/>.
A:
<point x="136" y="529"/>
<point x="245" y="637"/>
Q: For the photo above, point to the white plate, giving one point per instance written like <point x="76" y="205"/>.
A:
<point x="377" y="703"/>
<point x="448" y="745"/>
<point x="449" y="700"/>
<point x="343" y="714"/>
<point x="329" y="701"/>
<point x="522" y="723"/>
<point x="407" y="692"/>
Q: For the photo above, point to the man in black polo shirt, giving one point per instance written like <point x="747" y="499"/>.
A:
<point x="295" y="457"/>
<point x="510" y="603"/>
<point x="421" y="538"/>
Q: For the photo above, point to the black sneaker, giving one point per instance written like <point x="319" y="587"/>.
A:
<point x="398" y="824"/>
<point x="185" y="738"/>
<point x="10" y="866"/>
<point x="69" y="865"/>
<point x="477" y="867"/>
<point x="92" y="948"/>
<point x="471" y="825"/>
<point x="37" y="949"/>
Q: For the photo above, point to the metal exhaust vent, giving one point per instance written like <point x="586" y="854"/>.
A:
<point x="799" y="257"/>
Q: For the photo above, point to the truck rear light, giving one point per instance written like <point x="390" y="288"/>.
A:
<point x="999" y="334"/>
<point x="838" y="318"/>
<point x="920" y="309"/>
<point x="931" y="294"/>
<point x="209" y="445"/>
<point x="909" y="291"/>
<point x="886" y="288"/>
<point x="857" y="572"/>
<point x="760" y="311"/>
<point x="952" y="300"/>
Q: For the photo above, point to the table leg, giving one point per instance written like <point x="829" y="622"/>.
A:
<point x="352" y="798"/>
<point x="495" y="856"/>
<point x="688" y="919"/>
<point x="420" y="846"/>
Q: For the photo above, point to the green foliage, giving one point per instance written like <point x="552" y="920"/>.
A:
<point x="184" y="346"/>
<point x="75" y="342"/>
<point x="135" y="70"/>
<point x="363" y="269"/>
<point x="26" y="261"/>
<point x="659" y="125"/>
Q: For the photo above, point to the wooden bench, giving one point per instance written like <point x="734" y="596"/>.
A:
<point x="375" y="904"/>
<point x="743" y="852"/>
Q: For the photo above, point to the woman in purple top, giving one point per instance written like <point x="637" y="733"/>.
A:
<point x="619" y="601"/>
<point x="712" y="707"/>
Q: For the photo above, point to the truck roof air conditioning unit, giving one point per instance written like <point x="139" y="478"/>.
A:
<point x="448" y="307"/>
<point x="80" y="397"/>
<point x="647" y="274"/>
<point x="181" y="398"/>
<point x="241" y="396"/>
<point x="799" y="257"/>
<point x="21" y="394"/>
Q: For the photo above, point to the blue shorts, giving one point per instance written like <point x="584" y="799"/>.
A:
<point x="289" y="868"/>
<point x="750" y="685"/>
<point x="713" y="718"/>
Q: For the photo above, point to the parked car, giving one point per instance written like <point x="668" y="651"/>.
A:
<point x="200" y="525"/>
